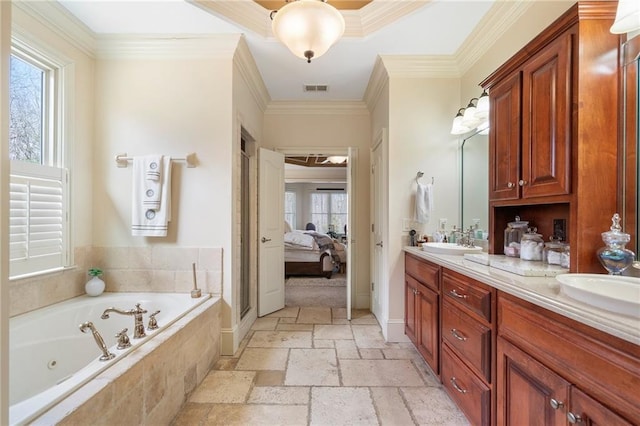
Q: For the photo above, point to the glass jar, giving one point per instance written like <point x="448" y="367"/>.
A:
<point x="512" y="236"/>
<point x="615" y="257"/>
<point x="553" y="251"/>
<point x="531" y="245"/>
<point x="565" y="259"/>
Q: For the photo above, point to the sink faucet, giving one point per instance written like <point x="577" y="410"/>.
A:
<point x="106" y="355"/>
<point x="138" y="328"/>
<point x="466" y="238"/>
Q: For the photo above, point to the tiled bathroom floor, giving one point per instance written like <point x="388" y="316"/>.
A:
<point x="311" y="366"/>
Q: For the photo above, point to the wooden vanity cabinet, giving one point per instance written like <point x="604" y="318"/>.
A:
<point x="553" y="137"/>
<point x="552" y="370"/>
<point x="422" y="311"/>
<point x="468" y="339"/>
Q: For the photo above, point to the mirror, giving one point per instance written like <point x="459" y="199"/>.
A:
<point x="474" y="181"/>
<point x="630" y="164"/>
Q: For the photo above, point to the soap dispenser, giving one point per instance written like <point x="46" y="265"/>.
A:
<point x="614" y="257"/>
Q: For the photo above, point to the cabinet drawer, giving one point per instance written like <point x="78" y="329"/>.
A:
<point x="470" y="294"/>
<point x="471" y="395"/>
<point x="470" y="339"/>
<point x="423" y="271"/>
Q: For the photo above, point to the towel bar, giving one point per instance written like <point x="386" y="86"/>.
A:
<point x="122" y="160"/>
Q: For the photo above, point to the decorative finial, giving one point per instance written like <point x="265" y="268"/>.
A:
<point x="615" y="220"/>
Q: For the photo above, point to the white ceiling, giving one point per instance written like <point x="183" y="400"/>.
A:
<point x="438" y="27"/>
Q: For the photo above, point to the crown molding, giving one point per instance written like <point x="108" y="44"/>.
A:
<point x="491" y="27"/>
<point x="377" y="82"/>
<point x="249" y="71"/>
<point x="381" y="13"/>
<point x="161" y="46"/>
<point x="421" y="66"/>
<point x="59" y="20"/>
<point x="246" y="13"/>
<point x="317" y="108"/>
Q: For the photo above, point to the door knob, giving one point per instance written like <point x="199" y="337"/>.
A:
<point x="379" y="244"/>
<point x="264" y="240"/>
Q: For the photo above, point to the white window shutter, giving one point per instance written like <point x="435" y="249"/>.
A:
<point x="38" y="228"/>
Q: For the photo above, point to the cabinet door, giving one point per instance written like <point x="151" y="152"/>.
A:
<point x="428" y="327"/>
<point x="528" y="393"/>
<point x="589" y="412"/>
<point x="410" y="296"/>
<point x="504" y="140"/>
<point x="546" y="121"/>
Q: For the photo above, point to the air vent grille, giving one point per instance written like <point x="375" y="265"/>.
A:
<point x="316" y="88"/>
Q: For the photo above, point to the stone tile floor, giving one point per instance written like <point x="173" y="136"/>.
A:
<point x="311" y="366"/>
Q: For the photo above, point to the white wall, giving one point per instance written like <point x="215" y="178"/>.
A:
<point x="332" y="126"/>
<point x="419" y="140"/>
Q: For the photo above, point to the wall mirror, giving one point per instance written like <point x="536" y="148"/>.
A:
<point x="474" y="180"/>
<point x="630" y="163"/>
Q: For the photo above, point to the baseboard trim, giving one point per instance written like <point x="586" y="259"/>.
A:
<point x="395" y="331"/>
<point x="229" y="341"/>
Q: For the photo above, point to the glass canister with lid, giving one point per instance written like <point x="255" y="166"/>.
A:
<point x="512" y="236"/>
<point x="531" y="245"/>
<point x="554" y="251"/>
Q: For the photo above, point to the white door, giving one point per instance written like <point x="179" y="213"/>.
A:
<point x="351" y="196"/>
<point x="270" y="232"/>
<point x="377" y="228"/>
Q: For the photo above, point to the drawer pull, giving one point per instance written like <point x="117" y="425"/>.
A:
<point x="455" y="385"/>
<point x="555" y="404"/>
<point x="574" y="418"/>
<point x="455" y="333"/>
<point x="454" y="293"/>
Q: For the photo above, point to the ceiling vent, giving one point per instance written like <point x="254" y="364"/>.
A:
<point x="316" y="88"/>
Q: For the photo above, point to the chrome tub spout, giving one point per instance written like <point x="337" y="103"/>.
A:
<point x="106" y="355"/>
<point x="138" y="328"/>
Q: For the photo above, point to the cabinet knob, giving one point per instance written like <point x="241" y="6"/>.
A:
<point x="456" y="386"/>
<point x="455" y="333"/>
<point x="574" y="418"/>
<point x="555" y="404"/>
<point x="510" y="185"/>
<point x="522" y="182"/>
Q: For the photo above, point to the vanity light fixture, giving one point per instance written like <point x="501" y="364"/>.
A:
<point x="307" y="27"/>
<point x="469" y="119"/>
<point x="482" y="107"/>
<point x="627" y="17"/>
<point x="458" y="128"/>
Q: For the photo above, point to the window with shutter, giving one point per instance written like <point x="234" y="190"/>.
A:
<point x="38" y="218"/>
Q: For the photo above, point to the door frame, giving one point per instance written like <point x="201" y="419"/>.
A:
<point x="352" y="154"/>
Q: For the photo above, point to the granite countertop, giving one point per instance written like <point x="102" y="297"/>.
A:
<point x="541" y="291"/>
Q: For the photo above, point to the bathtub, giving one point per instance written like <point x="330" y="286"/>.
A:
<point x="50" y="358"/>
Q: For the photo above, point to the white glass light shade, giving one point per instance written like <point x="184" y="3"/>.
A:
<point x="627" y="17"/>
<point x="335" y="159"/>
<point x="458" y="128"/>
<point x="308" y="27"/>
<point x="482" y="107"/>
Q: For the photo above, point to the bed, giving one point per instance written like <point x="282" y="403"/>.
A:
<point x="312" y="254"/>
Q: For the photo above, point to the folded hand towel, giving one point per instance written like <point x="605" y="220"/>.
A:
<point x="424" y="203"/>
<point x="147" y="221"/>
<point x="153" y="167"/>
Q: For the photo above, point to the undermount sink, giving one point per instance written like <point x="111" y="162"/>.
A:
<point x="449" y="248"/>
<point x="610" y="292"/>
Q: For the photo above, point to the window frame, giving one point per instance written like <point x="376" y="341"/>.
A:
<point x="293" y="214"/>
<point x="329" y="213"/>
<point x="58" y="88"/>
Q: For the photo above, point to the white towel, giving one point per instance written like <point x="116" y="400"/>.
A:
<point x="424" y="203"/>
<point x="145" y="221"/>
<point x="153" y="181"/>
<point x="153" y="167"/>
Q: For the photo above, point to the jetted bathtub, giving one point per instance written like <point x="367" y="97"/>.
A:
<point x="50" y="357"/>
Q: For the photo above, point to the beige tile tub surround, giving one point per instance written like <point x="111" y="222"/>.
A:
<point x="160" y="268"/>
<point x="331" y="374"/>
<point x="151" y="384"/>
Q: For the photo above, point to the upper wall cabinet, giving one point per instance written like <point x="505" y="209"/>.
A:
<point x="531" y="114"/>
<point x="553" y="140"/>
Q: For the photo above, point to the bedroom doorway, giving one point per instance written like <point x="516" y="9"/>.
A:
<point x="317" y="209"/>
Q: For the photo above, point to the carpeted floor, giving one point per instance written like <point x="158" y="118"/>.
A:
<point x="316" y="291"/>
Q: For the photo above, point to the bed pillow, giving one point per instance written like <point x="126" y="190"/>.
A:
<point x="299" y="239"/>
<point x="287" y="227"/>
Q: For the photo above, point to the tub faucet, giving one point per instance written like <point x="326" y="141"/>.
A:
<point x="138" y="328"/>
<point x="106" y="355"/>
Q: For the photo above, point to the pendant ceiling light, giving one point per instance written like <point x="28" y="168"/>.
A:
<point x="308" y="27"/>
<point x="627" y="17"/>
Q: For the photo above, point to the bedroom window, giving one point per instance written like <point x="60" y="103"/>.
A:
<point x="329" y="211"/>
<point x="290" y="208"/>
<point x="38" y="182"/>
